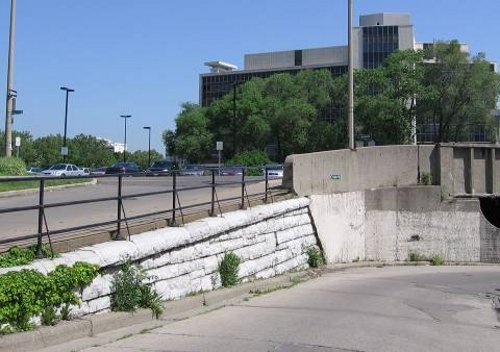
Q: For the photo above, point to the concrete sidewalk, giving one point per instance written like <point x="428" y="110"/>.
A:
<point x="108" y="327"/>
<point x="104" y="329"/>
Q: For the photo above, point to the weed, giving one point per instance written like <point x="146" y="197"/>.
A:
<point x="49" y="316"/>
<point x="315" y="257"/>
<point x="416" y="257"/>
<point x="130" y="291"/>
<point x="436" y="260"/>
<point x="426" y="178"/>
<point x="228" y="269"/>
<point x="65" y="311"/>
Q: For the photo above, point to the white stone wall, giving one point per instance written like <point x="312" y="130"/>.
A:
<point x="269" y="239"/>
<point x="349" y="230"/>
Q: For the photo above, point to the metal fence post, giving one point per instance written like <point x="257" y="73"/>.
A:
<point x="174" y="197"/>
<point x="212" y="203"/>
<point x="266" y="183"/>
<point x="242" y="188"/>
<point x="119" y="213"/>
<point x="41" y="210"/>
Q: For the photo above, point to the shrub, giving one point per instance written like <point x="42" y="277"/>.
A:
<point x="437" y="260"/>
<point x="12" y="167"/>
<point x="426" y="178"/>
<point x="416" y="257"/>
<point x="250" y="158"/>
<point x="315" y="257"/>
<point x="130" y="291"/>
<point x="228" y="269"/>
<point x="28" y="293"/>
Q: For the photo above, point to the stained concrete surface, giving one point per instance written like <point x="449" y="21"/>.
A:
<point x="446" y="308"/>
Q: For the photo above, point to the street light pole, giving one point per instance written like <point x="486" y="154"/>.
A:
<point x="64" y="149"/>
<point x="149" y="144"/>
<point x="125" y="117"/>
<point x="10" y="82"/>
<point x="351" y="81"/>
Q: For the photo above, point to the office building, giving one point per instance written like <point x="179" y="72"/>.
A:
<point x="377" y="36"/>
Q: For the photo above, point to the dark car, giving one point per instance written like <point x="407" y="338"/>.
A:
<point x="162" y="167"/>
<point x="122" y="168"/>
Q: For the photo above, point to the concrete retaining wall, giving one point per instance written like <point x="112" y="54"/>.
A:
<point x="269" y="239"/>
<point x="461" y="169"/>
<point x="346" y="171"/>
<point x="389" y="224"/>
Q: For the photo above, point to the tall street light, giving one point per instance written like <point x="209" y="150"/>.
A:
<point x="149" y="144"/>
<point x="64" y="149"/>
<point x="125" y="117"/>
<point x="10" y="82"/>
<point x="351" y="80"/>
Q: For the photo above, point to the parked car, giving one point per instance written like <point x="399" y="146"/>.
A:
<point x="85" y="171"/>
<point x="34" y="170"/>
<point x="162" y="167"/>
<point x="122" y="168"/>
<point x="273" y="171"/>
<point x="63" y="170"/>
<point x="233" y="170"/>
<point x="192" y="170"/>
<point x="99" y="171"/>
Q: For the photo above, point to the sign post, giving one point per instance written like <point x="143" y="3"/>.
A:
<point x="219" y="145"/>
<point x="18" y="144"/>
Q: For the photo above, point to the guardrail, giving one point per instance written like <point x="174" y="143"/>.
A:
<point x="121" y="221"/>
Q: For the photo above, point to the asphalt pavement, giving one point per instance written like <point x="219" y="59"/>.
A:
<point x="446" y="308"/>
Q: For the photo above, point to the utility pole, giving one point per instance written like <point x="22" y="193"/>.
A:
<point x="351" y="81"/>
<point x="10" y="82"/>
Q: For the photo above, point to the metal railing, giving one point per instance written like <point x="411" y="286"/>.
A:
<point x="239" y="196"/>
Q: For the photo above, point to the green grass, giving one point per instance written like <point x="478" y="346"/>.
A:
<point x="20" y="185"/>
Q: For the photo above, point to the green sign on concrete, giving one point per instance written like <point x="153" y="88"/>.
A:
<point x="336" y="177"/>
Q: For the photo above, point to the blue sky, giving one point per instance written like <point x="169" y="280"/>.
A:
<point x="144" y="57"/>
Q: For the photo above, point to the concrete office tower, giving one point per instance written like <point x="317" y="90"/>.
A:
<point x="377" y="36"/>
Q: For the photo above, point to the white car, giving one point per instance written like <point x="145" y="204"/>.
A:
<point x="274" y="171"/>
<point x="63" y="170"/>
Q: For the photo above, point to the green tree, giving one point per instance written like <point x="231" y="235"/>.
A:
<point x="87" y="150"/>
<point x="386" y="96"/>
<point x="193" y="141"/>
<point x="141" y="157"/>
<point x="168" y="137"/>
<point x="48" y="150"/>
<point x="460" y="92"/>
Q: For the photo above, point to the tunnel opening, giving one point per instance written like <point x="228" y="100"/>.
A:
<point x="490" y="207"/>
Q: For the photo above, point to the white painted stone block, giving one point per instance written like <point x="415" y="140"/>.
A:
<point x="182" y="255"/>
<point x="165" y="272"/>
<point x="237" y="218"/>
<point x="197" y="274"/>
<point x="115" y="252"/>
<point x="173" y="288"/>
<point x="210" y="264"/>
<point x="266" y="273"/>
<point x="100" y="286"/>
<point x="190" y="266"/>
<point x="81" y="255"/>
<point x="92" y="306"/>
